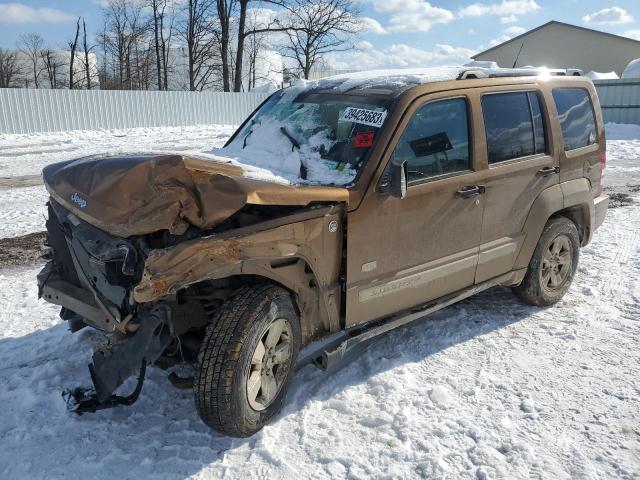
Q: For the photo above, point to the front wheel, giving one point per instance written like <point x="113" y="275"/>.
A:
<point x="553" y="264"/>
<point x="246" y="360"/>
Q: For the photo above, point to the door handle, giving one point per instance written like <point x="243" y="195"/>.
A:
<point x="471" y="191"/>
<point x="546" y="171"/>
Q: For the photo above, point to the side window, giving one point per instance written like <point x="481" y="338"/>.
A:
<point x="513" y="124"/>
<point x="575" y="112"/>
<point x="436" y="141"/>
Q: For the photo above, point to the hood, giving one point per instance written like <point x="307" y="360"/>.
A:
<point x="138" y="195"/>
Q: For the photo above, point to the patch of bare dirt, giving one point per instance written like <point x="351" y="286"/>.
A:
<point x="617" y="200"/>
<point x="20" y="182"/>
<point x="23" y="250"/>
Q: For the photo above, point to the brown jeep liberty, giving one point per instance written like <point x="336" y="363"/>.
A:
<point x="403" y="193"/>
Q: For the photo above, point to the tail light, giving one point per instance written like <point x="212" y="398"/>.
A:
<point x="603" y="164"/>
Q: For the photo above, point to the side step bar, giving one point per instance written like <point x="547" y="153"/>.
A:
<point x="330" y="352"/>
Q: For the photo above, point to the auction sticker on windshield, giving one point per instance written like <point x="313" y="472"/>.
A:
<point x="363" y="116"/>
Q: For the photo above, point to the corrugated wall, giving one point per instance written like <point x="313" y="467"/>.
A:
<point x="620" y="100"/>
<point x="30" y="110"/>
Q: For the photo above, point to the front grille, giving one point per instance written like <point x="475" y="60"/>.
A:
<point x="91" y="259"/>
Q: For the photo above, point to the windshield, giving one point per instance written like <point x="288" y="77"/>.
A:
<point x="310" y="138"/>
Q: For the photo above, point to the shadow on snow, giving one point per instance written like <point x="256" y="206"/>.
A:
<point x="161" y="434"/>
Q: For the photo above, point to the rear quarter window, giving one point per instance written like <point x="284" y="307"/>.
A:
<point x="577" y="120"/>
<point x="513" y="125"/>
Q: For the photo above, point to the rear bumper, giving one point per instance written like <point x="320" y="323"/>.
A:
<point x="600" y="206"/>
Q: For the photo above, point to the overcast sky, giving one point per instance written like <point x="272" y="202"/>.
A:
<point x="399" y="33"/>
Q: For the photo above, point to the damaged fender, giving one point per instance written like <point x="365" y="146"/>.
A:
<point x="298" y="255"/>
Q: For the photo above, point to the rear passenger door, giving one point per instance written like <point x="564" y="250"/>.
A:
<point x="520" y="167"/>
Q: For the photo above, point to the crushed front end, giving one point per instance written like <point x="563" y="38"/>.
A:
<point x="91" y="274"/>
<point x="147" y="248"/>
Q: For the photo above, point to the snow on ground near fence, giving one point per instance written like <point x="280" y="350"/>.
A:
<point x="488" y="388"/>
<point x="27" y="154"/>
<point x="22" y="210"/>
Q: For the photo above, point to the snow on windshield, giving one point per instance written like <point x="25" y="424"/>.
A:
<point x="316" y="140"/>
<point x="300" y="138"/>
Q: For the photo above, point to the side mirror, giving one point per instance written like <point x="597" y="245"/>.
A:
<point x="394" y="179"/>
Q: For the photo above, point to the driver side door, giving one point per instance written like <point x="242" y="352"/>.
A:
<point x="405" y="252"/>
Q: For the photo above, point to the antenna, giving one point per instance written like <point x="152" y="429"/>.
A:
<point x="517" y="56"/>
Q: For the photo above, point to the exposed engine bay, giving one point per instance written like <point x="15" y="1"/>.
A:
<point x="93" y="275"/>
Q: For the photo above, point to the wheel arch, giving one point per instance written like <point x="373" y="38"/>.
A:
<point x="314" y="302"/>
<point x="572" y="200"/>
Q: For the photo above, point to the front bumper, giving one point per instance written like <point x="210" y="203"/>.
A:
<point x="90" y="274"/>
<point x="600" y="206"/>
<point x="75" y="300"/>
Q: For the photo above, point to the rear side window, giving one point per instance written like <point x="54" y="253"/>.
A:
<point x="513" y="124"/>
<point x="575" y="112"/>
<point x="436" y="140"/>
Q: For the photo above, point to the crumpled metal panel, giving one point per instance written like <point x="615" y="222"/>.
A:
<point x="137" y="195"/>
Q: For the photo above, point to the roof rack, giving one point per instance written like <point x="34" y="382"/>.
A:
<point x="517" y="72"/>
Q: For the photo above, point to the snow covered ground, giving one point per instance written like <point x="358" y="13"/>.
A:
<point x="488" y="388"/>
<point x="22" y="210"/>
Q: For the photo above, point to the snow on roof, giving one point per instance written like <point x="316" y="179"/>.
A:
<point x="394" y="79"/>
<point x="401" y="79"/>
<point x="602" y="75"/>
<point x="482" y="64"/>
<point x="632" y="70"/>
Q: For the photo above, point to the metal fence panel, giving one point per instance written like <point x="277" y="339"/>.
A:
<point x="620" y="100"/>
<point x="31" y="110"/>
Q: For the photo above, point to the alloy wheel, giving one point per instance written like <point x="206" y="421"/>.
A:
<point x="556" y="263"/>
<point x="270" y="364"/>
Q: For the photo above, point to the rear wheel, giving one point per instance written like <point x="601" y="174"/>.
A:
<point x="246" y="360"/>
<point x="553" y="264"/>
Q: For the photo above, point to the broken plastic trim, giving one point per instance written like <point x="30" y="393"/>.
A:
<point x="80" y="400"/>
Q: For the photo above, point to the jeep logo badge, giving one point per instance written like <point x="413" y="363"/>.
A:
<point x="78" y="200"/>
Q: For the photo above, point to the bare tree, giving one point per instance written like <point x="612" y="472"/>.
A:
<point x="254" y="45"/>
<point x="273" y="26"/>
<point x="319" y="27"/>
<point x="31" y="46"/>
<point x="257" y="47"/>
<point x="53" y="65"/>
<point x="163" y="20"/>
<point x="87" y="50"/>
<point x="73" y="46"/>
<point x="126" y="46"/>
<point x="9" y="69"/>
<point x="201" y="35"/>
<point x="225" y="10"/>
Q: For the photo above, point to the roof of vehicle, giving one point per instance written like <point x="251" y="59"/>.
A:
<point x="394" y="82"/>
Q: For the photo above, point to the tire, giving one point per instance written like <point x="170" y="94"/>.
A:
<point x="226" y="394"/>
<point x="550" y="274"/>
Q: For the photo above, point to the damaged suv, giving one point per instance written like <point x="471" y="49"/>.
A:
<point x="339" y="210"/>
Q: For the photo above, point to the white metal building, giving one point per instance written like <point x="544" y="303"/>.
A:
<point x="561" y="45"/>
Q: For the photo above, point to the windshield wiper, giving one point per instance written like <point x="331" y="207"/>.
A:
<point x="244" y="144"/>
<point x="293" y="141"/>
<point x="295" y="144"/>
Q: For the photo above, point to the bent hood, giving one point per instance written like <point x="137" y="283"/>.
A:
<point x="138" y="195"/>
